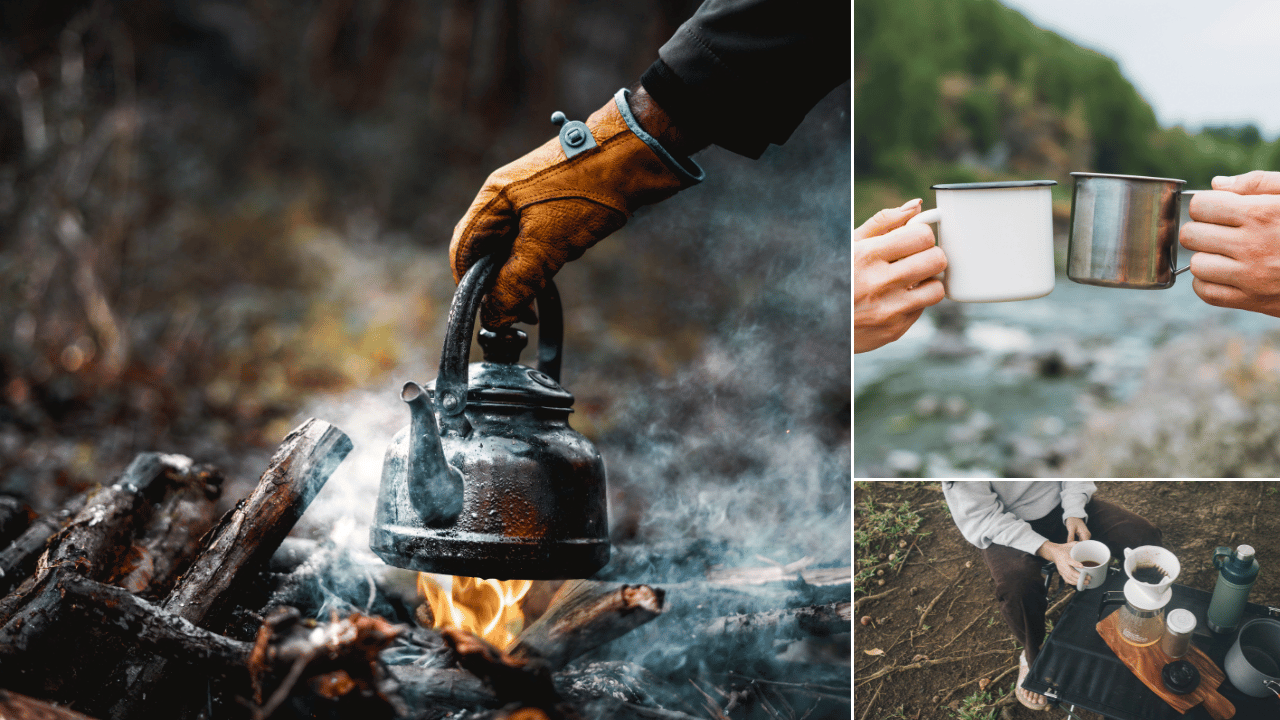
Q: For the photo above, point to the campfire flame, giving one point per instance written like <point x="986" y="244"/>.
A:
<point x="489" y="609"/>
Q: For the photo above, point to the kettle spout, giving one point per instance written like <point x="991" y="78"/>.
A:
<point x="435" y="486"/>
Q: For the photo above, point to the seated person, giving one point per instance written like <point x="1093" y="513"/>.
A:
<point x="1019" y="525"/>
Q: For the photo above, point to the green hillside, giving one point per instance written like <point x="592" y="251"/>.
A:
<point x="964" y="90"/>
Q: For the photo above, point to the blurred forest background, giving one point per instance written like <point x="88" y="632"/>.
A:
<point x="219" y="218"/>
<point x="977" y="92"/>
<point x="1086" y="381"/>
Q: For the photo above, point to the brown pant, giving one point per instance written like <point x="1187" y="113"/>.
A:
<point x="1020" y="587"/>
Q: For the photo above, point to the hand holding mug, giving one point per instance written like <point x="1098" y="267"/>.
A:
<point x="1060" y="555"/>
<point x="1235" y="233"/>
<point x="1094" y="557"/>
<point x="892" y="276"/>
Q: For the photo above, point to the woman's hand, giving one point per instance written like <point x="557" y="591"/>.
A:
<point x="1060" y="554"/>
<point x="1076" y="529"/>
<point x="893" y="276"/>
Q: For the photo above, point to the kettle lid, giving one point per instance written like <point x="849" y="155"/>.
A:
<point x="501" y="379"/>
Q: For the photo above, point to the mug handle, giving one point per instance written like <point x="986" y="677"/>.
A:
<point x="1186" y="195"/>
<point x="930" y="216"/>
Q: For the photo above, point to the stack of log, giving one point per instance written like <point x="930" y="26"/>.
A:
<point x="134" y="600"/>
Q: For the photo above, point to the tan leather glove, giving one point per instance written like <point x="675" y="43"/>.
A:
<point x="549" y="208"/>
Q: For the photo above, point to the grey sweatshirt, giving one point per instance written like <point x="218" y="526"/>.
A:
<point x="998" y="512"/>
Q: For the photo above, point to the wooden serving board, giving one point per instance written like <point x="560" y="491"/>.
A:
<point x="1147" y="662"/>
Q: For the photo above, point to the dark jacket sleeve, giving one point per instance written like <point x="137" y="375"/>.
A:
<point x="744" y="73"/>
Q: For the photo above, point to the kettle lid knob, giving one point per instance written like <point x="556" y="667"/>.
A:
<point x="502" y="345"/>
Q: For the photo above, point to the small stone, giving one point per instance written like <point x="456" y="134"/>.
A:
<point x="904" y="463"/>
<point x="927" y="406"/>
<point x="955" y="406"/>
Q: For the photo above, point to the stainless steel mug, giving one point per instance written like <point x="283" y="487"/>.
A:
<point x="1124" y="230"/>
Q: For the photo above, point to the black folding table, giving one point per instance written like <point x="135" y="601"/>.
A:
<point x="1077" y="669"/>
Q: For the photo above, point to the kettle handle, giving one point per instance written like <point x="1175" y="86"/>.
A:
<point x="451" y="382"/>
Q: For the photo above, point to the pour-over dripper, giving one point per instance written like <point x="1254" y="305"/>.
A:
<point x="1151" y="570"/>
<point x="1149" y="562"/>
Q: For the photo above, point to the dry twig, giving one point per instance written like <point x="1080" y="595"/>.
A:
<point x="933" y="602"/>
<point x="924" y="663"/>
<point x="711" y="704"/>
<point x="874" y="695"/>
<point x="943" y="698"/>
<point x="857" y="604"/>
<point x="965" y="630"/>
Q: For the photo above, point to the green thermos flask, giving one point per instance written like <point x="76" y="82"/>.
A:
<point x="1236" y="574"/>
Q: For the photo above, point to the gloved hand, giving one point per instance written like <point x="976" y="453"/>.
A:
<point x="548" y="209"/>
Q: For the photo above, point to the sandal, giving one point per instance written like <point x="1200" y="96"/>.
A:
<point x="1024" y="695"/>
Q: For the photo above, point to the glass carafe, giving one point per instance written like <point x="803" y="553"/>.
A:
<point x="1139" y="626"/>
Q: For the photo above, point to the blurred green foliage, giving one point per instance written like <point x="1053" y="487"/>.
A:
<point x="962" y="90"/>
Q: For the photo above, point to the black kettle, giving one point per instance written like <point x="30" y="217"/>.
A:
<point x="488" y="480"/>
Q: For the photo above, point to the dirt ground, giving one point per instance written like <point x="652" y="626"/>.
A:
<point x="944" y="580"/>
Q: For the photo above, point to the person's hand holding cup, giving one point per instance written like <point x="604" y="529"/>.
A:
<point x="1094" y="557"/>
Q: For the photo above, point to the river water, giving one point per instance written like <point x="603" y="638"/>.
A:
<point x="1038" y="369"/>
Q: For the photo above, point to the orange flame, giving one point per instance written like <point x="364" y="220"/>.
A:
<point x="489" y="609"/>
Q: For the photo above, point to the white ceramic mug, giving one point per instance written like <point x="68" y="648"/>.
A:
<point x="1091" y="551"/>
<point x="998" y="239"/>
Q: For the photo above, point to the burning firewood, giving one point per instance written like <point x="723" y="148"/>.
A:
<point x="584" y="615"/>
<point x="522" y="680"/>
<point x="339" y="658"/>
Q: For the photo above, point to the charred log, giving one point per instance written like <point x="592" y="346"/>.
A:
<point x="240" y="547"/>
<point x="816" y="621"/>
<point x="21" y="707"/>
<point x="525" y="680"/>
<point x="428" y="687"/>
<point x="169" y="542"/>
<point x="249" y="535"/>
<point x="585" y="615"/>
<point x="338" y="660"/>
<point x="18" y="560"/>
<point x="15" y="518"/>
<point x="93" y="542"/>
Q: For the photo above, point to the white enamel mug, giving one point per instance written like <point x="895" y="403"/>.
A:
<point x="1096" y="558"/>
<point x="998" y="239"/>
